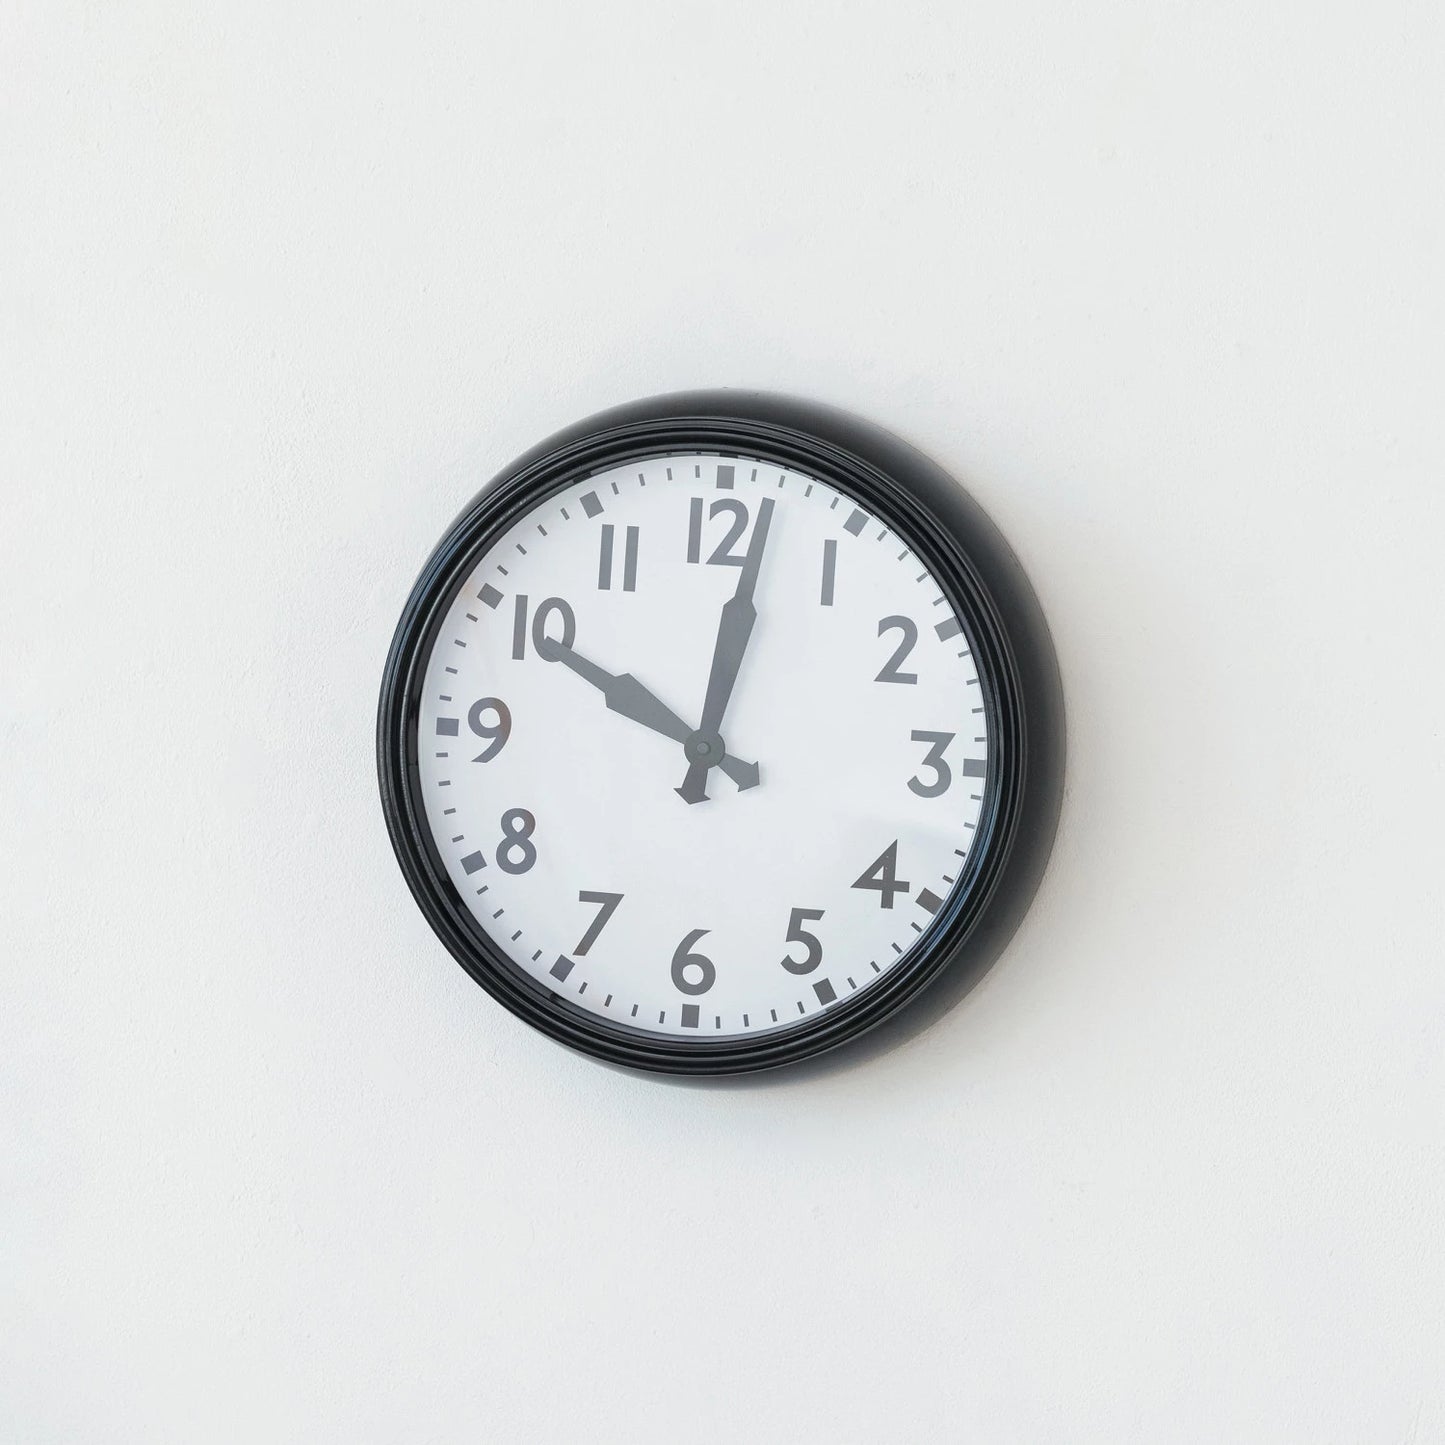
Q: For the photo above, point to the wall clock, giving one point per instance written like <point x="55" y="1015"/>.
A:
<point x="715" y="729"/>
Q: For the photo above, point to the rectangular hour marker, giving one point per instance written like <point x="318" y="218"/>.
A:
<point x="825" y="991"/>
<point x="725" y="478"/>
<point x="830" y="567"/>
<point x="951" y="628"/>
<point x="473" y="861"/>
<point x="447" y="727"/>
<point x="974" y="767"/>
<point x="854" y="524"/>
<point x="689" y="1015"/>
<point x="929" y="900"/>
<point x="562" y="968"/>
<point x="490" y="595"/>
<point x="590" y="504"/>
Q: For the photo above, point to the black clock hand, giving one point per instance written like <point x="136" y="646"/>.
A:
<point x="625" y="695"/>
<point x="735" y="627"/>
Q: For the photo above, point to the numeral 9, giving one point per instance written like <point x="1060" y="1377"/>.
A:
<point x="498" y="732"/>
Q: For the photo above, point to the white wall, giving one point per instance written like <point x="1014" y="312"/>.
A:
<point x="283" y="283"/>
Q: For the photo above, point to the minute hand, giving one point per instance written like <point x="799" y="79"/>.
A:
<point x="735" y="627"/>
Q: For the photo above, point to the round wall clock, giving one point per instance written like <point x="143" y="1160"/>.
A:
<point x="715" y="729"/>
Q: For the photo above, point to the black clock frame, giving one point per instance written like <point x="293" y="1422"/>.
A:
<point x="975" y="569"/>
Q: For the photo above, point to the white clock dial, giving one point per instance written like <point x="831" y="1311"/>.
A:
<point x="614" y="644"/>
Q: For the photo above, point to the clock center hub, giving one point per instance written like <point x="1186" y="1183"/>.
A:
<point x="704" y="748"/>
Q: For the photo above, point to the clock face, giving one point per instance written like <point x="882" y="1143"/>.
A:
<point x="701" y="745"/>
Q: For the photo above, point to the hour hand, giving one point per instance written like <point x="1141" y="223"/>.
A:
<point x="625" y="695"/>
<point x="621" y="691"/>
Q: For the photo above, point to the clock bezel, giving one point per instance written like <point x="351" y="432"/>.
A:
<point x="913" y="497"/>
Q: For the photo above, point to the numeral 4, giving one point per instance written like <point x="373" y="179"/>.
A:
<point x="881" y="876"/>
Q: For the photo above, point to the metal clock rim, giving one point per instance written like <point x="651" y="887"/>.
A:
<point x="928" y="511"/>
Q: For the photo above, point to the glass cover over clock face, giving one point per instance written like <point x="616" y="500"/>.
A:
<point x="702" y="746"/>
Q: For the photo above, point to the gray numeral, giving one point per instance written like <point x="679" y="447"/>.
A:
<point x="629" y="559"/>
<point x="518" y="826"/>
<point x="830" y="571"/>
<point x="539" y="625"/>
<point x="498" y="732"/>
<point x="909" y="629"/>
<point x="881" y="876"/>
<point x="702" y="975"/>
<point x="723" y="554"/>
<point x="813" y="948"/>
<point x="942" y="773"/>
<point x="607" y="907"/>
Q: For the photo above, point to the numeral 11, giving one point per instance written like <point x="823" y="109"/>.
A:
<point x="629" y="560"/>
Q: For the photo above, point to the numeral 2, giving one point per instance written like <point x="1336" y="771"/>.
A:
<point x="909" y="629"/>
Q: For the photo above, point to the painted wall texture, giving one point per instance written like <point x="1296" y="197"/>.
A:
<point x="283" y="283"/>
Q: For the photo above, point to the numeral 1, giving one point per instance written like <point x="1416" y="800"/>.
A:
<point x="830" y="567"/>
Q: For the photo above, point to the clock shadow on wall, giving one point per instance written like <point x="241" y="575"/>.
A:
<point x="723" y="732"/>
